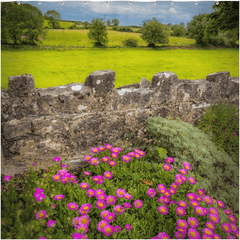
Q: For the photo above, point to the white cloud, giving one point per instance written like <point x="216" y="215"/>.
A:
<point x="172" y="10"/>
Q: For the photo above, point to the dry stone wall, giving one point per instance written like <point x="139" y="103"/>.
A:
<point x="67" y="121"/>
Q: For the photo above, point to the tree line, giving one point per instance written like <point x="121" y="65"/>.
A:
<point x="219" y="28"/>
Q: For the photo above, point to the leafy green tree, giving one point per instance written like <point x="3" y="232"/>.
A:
<point x="153" y="32"/>
<point x="98" y="32"/>
<point x="12" y="22"/>
<point x="108" y="22"/>
<point x="53" y="18"/>
<point x="196" y="28"/>
<point x="181" y="24"/>
<point x="225" y="18"/>
<point x="178" y="30"/>
<point x="86" y="25"/>
<point x="33" y="20"/>
<point x="115" y="22"/>
<point x="169" y="25"/>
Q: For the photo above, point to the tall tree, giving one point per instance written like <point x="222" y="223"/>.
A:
<point x="98" y="32"/>
<point x="115" y="22"/>
<point x="108" y="22"/>
<point x="226" y="17"/>
<point x="53" y="16"/>
<point x="153" y="32"/>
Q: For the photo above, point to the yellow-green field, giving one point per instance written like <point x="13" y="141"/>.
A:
<point x="59" y="67"/>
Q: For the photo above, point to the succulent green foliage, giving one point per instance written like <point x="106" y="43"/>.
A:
<point x="216" y="171"/>
<point x="221" y="122"/>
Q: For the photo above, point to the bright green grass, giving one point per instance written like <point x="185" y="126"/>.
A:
<point x="61" y="23"/>
<point x="60" y="67"/>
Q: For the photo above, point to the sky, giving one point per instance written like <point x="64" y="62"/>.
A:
<point x="126" y="13"/>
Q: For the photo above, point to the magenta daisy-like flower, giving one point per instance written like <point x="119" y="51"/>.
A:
<point x="228" y="212"/>
<point x="186" y="164"/>
<point x="180" y="235"/>
<point x="119" y="209"/>
<point x="169" y="160"/>
<point x="127" y="205"/>
<point x="191" y="196"/>
<point x="161" y="199"/>
<point x="100" y="205"/>
<point x="112" y="163"/>
<point x="174" y="186"/>
<point x="138" y="203"/>
<point x="199" y="211"/>
<point x="172" y="191"/>
<point x="193" y="233"/>
<point x="104" y="213"/>
<point x="83" y="228"/>
<point x="102" y="197"/>
<point x="42" y="214"/>
<point x="210" y="225"/>
<point x="86" y="173"/>
<point x="182" y="229"/>
<point x="183" y="171"/>
<point x="200" y="192"/>
<point x="111" y="200"/>
<point x="207" y="231"/>
<point x="167" y="167"/>
<point x="84" y="220"/>
<point x="194" y="203"/>
<point x="161" y="186"/>
<point x="110" y="217"/>
<point x="108" y="230"/>
<point x="117" y="229"/>
<point x="182" y="204"/>
<point x="59" y="197"/>
<point x="180" y="211"/>
<point x="72" y="206"/>
<point x="56" y="178"/>
<point x="86" y="207"/>
<point x="51" y="223"/>
<point x="128" y="227"/>
<point x="94" y="161"/>
<point x="62" y="172"/>
<point x="79" y="236"/>
<point x="214" y="218"/>
<point x="57" y="159"/>
<point x="73" y="178"/>
<point x="162" y="190"/>
<point x="95" y="178"/>
<point x="213" y="210"/>
<point x="232" y="219"/>
<point x="75" y="221"/>
<point x="126" y="158"/>
<point x="84" y="185"/>
<point x="193" y="222"/>
<point x="90" y="192"/>
<point x="191" y="180"/>
<point x="101" y="225"/>
<point x="199" y="199"/>
<point x="98" y="192"/>
<point x="182" y="224"/>
<point x="167" y="194"/>
<point x="151" y="192"/>
<point x="179" y="181"/>
<point x="95" y="150"/>
<point x="100" y="179"/>
<point x="163" y="235"/>
<point x="233" y="227"/>
<point x="107" y="175"/>
<point x="87" y="158"/>
<point x="207" y="200"/>
<point x="127" y="196"/>
<point x="220" y="204"/>
<point x="105" y="159"/>
<point x="120" y="192"/>
<point x="163" y="210"/>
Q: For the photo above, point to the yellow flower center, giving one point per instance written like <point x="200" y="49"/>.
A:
<point x="120" y="193"/>
<point x="182" y="204"/>
<point x="179" y="235"/>
<point x="127" y="196"/>
<point x="138" y="204"/>
<point x="82" y="228"/>
<point x="84" y="185"/>
<point x="167" y="167"/>
<point x="57" y="178"/>
<point x="76" y="221"/>
<point x="72" y="178"/>
<point x="194" y="204"/>
<point x="85" y="208"/>
<point x="207" y="200"/>
<point x="180" y="211"/>
<point x="214" y="219"/>
<point x="108" y="230"/>
<point x="181" y="224"/>
<point x="108" y="175"/>
<point x="231" y="219"/>
<point x="199" y="211"/>
<point x="192" y="234"/>
<point x="100" y="204"/>
<point x="41" y="215"/>
<point x="190" y="197"/>
<point x="163" y="210"/>
<point x="118" y="210"/>
<point x="181" y="230"/>
<point x="84" y="221"/>
<point x="90" y="193"/>
<point x="110" y="200"/>
<point x="72" y="206"/>
<point x="209" y="226"/>
<point x="110" y="217"/>
<point x="105" y="214"/>
<point x="102" y="225"/>
<point x="207" y="232"/>
<point x="178" y="180"/>
<point x="59" y="197"/>
<point x="192" y="222"/>
<point x="225" y="228"/>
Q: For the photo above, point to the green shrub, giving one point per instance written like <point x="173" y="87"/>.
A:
<point x="130" y="42"/>
<point x="221" y="122"/>
<point x="215" y="171"/>
<point x="125" y="29"/>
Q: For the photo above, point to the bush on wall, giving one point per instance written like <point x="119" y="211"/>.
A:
<point x="130" y="42"/>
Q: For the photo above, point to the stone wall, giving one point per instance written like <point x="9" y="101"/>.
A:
<point x="67" y="121"/>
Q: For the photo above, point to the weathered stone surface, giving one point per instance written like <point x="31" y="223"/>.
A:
<point x="67" y="121"/>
